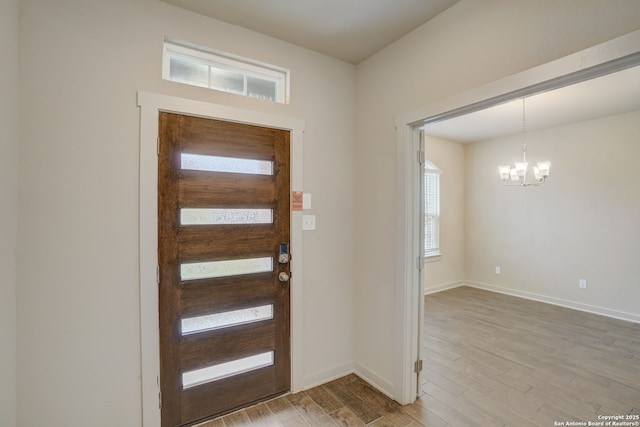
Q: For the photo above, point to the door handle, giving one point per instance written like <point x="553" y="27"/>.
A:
<point x="283" y="277"/>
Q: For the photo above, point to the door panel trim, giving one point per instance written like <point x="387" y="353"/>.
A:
<point x="150" y="105"/>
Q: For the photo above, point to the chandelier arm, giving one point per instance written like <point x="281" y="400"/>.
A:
<point x="522" y="184"/>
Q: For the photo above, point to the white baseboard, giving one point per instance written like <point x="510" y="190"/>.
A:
<point x="380" y="384"/>
<point x="319" y="378"/>
<point x="387" y="388"/>
<point x="443" y="287"/>
<point x="630" y="317"/>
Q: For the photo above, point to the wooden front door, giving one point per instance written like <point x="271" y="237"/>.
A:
<point x="223" y="219"/>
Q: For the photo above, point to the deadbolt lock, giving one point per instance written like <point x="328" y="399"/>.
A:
<point x="283" y="256"/>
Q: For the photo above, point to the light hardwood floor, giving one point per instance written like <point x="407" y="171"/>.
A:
<point x="490" y="360"/>
<point x="493" y="360"/>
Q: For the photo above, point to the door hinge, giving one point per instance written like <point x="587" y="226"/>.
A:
<point x="419" y="263"/>
<point x="417" y="367"/>
<point x="158" y="146"/>
<point x="157" y="274"/>
<point x="421" y="155"/>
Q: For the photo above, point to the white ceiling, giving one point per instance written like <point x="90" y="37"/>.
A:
<point x="612" y="94"/>
<point x="351" y="30"/>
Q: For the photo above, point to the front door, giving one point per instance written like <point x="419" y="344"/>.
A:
<point x="223" y="230"/>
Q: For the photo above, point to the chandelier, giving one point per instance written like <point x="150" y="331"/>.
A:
<point x="516" y="175"/>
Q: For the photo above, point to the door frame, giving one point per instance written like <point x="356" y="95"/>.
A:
<point x="601" y="59"/>
<point x="150" y="105"/>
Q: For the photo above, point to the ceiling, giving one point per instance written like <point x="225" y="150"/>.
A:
<point x="350" y="30"/>
<point x="353" y="30"/>
<point x="612" y="94"/>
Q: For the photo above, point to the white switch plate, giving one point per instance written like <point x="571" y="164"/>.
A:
<point x="306" y="201"/>
<point x="308" y="222"/>
<point x="498" y="270"/>
<point x="582" y="283"/>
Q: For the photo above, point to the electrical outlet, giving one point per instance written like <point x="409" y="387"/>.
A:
<point x="582" y="283"/>
<point x="308" y="222"/>
<point x="498" y="270"/>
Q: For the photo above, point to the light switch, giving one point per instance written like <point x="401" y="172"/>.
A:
<point x="308" y="222"/>
<point x="306" y="201"/>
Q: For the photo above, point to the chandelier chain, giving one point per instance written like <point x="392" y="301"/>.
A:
<point x="524" y="128"/>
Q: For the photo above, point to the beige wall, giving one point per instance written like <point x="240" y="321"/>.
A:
<point x="469" y="45"/>
<point x="582" y="224"/>
<point x="448" y="269"/>
<point x="78" y="298"/>
<point x="8" y="207"/>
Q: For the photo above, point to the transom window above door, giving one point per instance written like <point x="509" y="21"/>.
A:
<point x="203" y="67"/>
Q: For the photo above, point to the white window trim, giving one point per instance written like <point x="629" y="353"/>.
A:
<point x="226" y="61"/>
<point x="150" y="105"/>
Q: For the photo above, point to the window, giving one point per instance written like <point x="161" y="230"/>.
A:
<point x="203" y="67"/>
<point x="432" y="210"/>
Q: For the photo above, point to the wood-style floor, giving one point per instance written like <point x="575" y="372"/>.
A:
<point x="490" y="360"/>
<point x="493" y="360"/>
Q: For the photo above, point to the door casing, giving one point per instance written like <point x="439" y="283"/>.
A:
<point x="150" y="105"/>
<point x="410" y="289"/>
